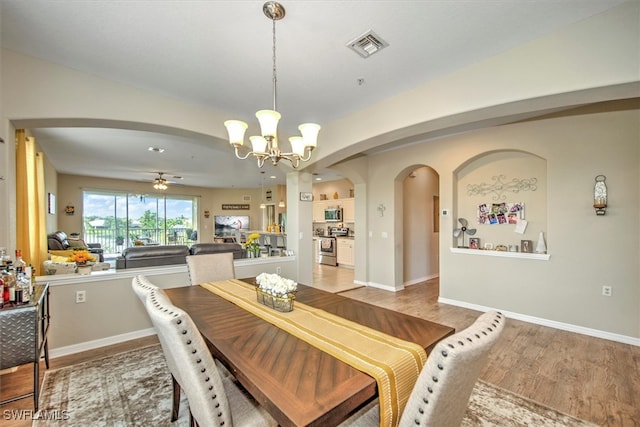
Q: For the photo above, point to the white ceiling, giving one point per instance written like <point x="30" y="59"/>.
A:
<point x="218" y="54"/>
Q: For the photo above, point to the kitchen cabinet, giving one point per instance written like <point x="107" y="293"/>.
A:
<point x="348" y="210"/>
<point x="345" y="252"/>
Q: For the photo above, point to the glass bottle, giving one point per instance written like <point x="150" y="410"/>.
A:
<point x="20" y="265"/>
<point x="10" y="282"/>
<point x="23" y="285"/>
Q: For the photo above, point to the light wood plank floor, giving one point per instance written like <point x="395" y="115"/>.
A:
<point x="590" y="378"/>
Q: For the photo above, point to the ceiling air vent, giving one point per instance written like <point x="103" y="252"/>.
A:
<point x="367" y="44"/>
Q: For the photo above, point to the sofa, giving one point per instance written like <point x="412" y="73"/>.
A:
<point x="215" y="248"/>
<point x="59" y="241"/>
<point x="152" y="256"/>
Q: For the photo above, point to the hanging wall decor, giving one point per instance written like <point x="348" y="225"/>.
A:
<point x="499" y="187"/>
<point x="69" y="209"/>
<point x="600" y="195"/>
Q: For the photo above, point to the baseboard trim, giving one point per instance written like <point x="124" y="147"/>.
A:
<point x="102" y="342"/>
<point x="421" y="280"/>
<point x="625" y="339"/>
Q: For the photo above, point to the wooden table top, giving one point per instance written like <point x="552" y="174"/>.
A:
<point x="298" y="384"/>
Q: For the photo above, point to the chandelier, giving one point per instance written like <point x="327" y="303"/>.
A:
<point x="160" y="183"/>
<point x="266" y="146"/>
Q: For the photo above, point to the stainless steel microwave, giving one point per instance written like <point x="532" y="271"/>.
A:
<point x="333" y="215"/>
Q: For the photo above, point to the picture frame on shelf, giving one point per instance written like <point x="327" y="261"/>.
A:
<point x="526" y="246"/>
<point x="474" y="243"/>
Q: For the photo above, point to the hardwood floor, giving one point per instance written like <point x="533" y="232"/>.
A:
<point x="590" y="378"/>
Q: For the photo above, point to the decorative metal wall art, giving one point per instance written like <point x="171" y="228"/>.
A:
<point x="499" y="187"/>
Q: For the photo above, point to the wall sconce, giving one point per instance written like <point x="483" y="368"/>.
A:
<point x="600" y="195"/>
<point x="381" y="209"/>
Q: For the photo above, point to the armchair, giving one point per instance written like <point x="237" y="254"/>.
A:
<point x="59" y="241"/>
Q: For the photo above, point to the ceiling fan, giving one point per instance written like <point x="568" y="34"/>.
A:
<point x="160" y="183"/>
<point x="462" y="230"/>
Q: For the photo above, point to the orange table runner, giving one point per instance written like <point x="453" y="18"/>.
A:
<point x="394" y="363"/>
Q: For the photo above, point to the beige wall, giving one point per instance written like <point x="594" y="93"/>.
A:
<point x="587" y="251"/>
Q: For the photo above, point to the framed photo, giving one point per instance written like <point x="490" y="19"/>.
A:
<point x="51" y="203"/>
<point x="526" y="246"/>
<point x="306" y="196"/>
<point x="474" y="243"/>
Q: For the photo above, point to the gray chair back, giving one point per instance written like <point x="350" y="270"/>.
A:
<point x="210" y="267"/>
<point x="196" y="371"/>
<point x="143" y="287"/>
<point x="441" y="394"/>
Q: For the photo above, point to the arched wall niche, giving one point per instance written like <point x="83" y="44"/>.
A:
<point x="501" y="177"/>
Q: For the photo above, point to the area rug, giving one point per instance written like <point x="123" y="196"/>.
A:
<point x="134" y="389"/>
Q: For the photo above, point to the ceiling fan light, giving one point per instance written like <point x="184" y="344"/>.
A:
<point x="258" y="144"/>
<point x="309" y="133"/>
<point x="268" y="122"/>
<point x="236" y="130"/>
<point x="297" y="145"/>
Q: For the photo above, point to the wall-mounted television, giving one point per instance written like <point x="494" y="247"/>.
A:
<point x="227" y="225"/>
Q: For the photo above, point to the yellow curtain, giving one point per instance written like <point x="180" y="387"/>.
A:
<point x="31" y="234"/>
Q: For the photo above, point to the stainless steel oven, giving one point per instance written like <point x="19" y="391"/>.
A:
<point x="327" y="250"/>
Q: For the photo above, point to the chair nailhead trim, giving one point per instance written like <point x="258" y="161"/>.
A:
<point x="444" y="353"/>
<point x="440" y="366"/>
<point x="435" y="379"/>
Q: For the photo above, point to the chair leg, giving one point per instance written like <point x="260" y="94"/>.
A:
<point x="176" y="399"/>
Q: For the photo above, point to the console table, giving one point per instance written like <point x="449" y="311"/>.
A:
<point x="23" y="337"/>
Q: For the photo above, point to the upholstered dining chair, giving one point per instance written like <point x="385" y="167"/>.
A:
<point x="143" y="287"/>
<point x="214" y="399"/>
<point x="442" y="391"/>
<point x="210" y="267"/>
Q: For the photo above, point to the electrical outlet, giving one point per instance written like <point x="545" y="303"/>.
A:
<point x="278" y="270"/>
<point x="81" y="296"/>
<point x="606" y="291"/>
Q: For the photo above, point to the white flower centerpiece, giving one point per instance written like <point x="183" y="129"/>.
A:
<point x="275" y="291"/>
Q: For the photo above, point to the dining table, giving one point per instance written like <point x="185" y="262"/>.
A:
<point x="298" y="384"/>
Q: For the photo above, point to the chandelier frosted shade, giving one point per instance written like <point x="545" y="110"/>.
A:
<point x="236" y="130"/>
<point x="258" y="145"/>
<point x="268" y="122"/>
<point x="309" y="133"/>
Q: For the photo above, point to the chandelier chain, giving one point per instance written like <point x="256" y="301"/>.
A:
<point x="275" y="72"/>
